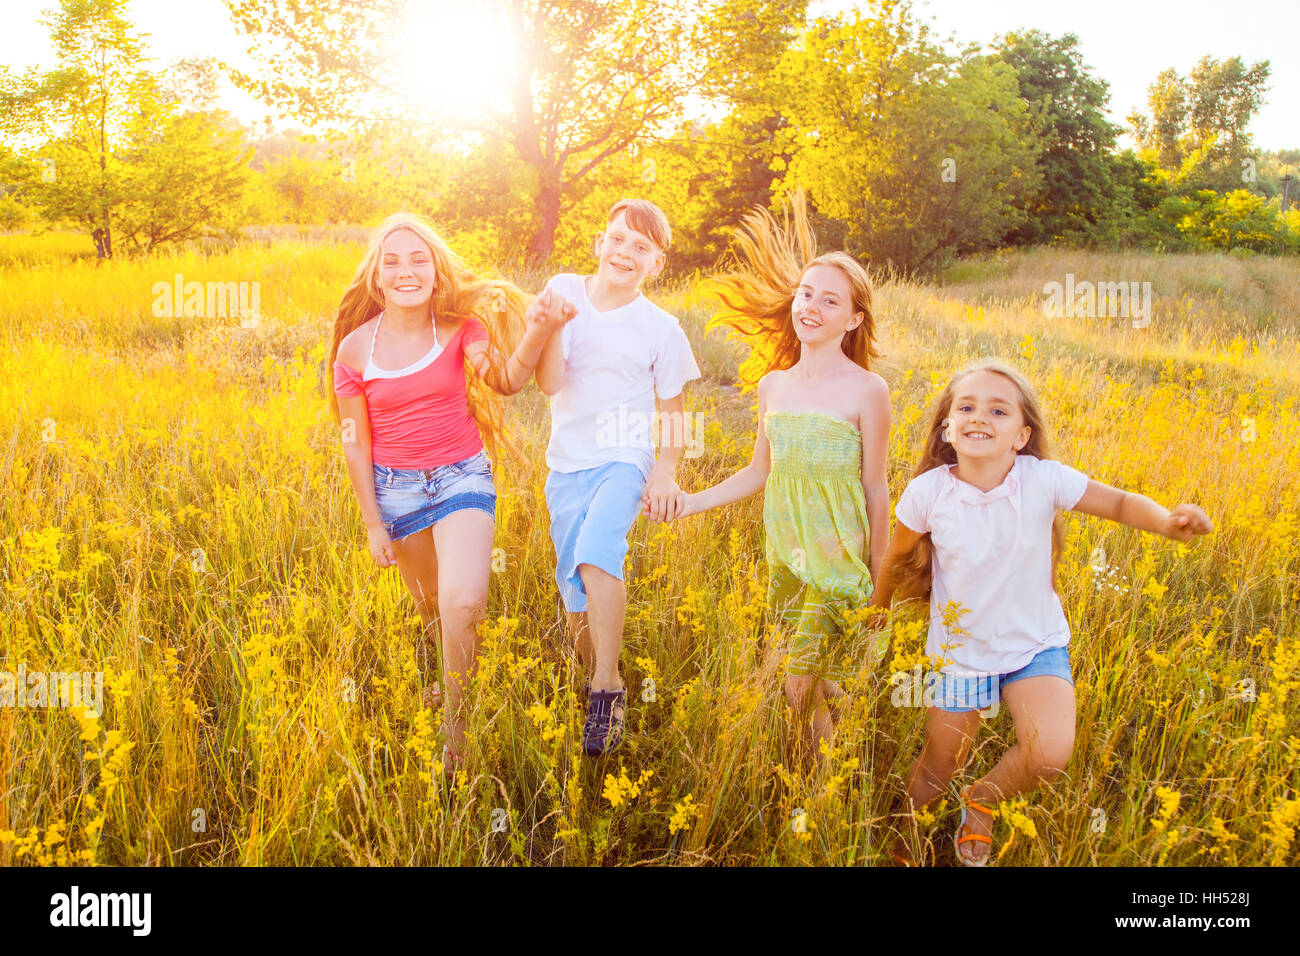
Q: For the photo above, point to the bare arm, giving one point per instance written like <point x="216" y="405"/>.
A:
<point x="1139" y="511"/>
<point x="874" y="418"/>
<point x="355" y="422"/>
<point x="662" y="496"/>
<point x="550" y="368"/>
<point x="902" y="543"/>
<point x="547" y="315"/>
<point x="744" y="483"/>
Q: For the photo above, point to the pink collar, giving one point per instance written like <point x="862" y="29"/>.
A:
<point x="969" y="493"/>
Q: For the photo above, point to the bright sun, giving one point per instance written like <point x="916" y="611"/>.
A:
<point x="455" y="58"/>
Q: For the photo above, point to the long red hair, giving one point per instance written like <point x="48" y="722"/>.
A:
<point x="757" y="289"/>
<point x="458" y="295"/>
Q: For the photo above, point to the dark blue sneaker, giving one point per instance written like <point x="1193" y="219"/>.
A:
<point x="603" y="730"/>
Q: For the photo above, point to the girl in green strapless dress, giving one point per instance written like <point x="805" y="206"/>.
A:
<point x="819" y="452"/>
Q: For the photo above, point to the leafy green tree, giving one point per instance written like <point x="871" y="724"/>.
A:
<point x="1206" y="115"/>
<point x="1079" y="192"/>
<point x="919" y="155"/>
<point x="115" y="155"/>
<point x="589" y="80"/>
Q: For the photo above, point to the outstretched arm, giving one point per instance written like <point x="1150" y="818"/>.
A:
<point x="1138" y="511"/>
<point x="744" y="483"/>
<point x="548" y="313"/>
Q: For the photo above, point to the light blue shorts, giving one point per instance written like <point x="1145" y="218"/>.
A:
<point x="958" y="694"/>
<point x="412" y="499"/>
<point x="591" y="513"/>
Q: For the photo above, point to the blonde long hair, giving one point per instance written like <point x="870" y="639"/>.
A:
<point x="459" y="294"/>
<point x="758" y="289"/>
<point x="911" y="574"/>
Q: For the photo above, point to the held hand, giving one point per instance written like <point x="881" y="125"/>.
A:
<point x="381" y="547"/>
<point x="663" y="499"/>
<point x="550" y="311"/>
<point x="682" y="506"/>
<point x="1186" y="521"/>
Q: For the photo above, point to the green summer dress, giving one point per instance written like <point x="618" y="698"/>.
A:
<point x="815" y="518"/>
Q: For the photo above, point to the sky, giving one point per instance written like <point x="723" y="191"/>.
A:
<point x="1125" y="42"/>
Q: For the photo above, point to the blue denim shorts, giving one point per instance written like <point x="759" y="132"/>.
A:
<point x="591" y="513"/>
<point x="958" y="694"/>
<point x="412" y="499"/>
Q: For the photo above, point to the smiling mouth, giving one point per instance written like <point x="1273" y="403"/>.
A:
<point x="809" y="323"/>
<point x="979" y="436"/>
<point x="620" y="268"/>
<point x="407" y="288"/>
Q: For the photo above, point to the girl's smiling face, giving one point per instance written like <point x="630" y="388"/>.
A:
<point x="823" y="305"/>
<point x="985" y="421"/>
<point x="406" y="271"/>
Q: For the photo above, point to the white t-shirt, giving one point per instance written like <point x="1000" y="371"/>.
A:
<point x="613" y="363"/>
<point x="992" y="553"/>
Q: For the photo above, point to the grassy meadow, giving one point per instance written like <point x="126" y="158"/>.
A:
<point x="177" y="515"/>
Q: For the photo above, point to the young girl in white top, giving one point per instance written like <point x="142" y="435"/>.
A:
<point x="977" y="526"/>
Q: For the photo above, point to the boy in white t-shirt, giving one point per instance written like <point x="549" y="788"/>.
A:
<point x="602" y="374"/>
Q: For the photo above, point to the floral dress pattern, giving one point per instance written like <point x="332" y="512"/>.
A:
<point x="815" y="519"/>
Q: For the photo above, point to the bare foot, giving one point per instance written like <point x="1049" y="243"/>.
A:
<point x="432" y="696"/>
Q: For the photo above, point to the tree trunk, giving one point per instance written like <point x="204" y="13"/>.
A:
<point x="542" y="244"/>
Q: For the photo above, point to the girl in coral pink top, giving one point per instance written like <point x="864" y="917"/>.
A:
<point x="978" y="532"/>
<point x="410" y="326"/>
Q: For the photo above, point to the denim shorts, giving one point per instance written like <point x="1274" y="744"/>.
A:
<point x="591" y="513"/>
<point x="958" y="694"/>
<point x="412" y="499"/>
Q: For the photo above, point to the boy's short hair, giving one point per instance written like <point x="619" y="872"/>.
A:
<point x="646" y="218"/>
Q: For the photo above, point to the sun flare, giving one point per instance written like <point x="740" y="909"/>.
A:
<point x="455" y="58"/>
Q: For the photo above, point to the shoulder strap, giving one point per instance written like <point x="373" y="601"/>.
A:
<point x="373" y="336"/>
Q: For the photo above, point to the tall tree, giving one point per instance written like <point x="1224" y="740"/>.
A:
<point x="1204" y="115"/>
<point x="1067" y="104"/>
<point x="588" y="80"/>
<point x="115" y="154"/>
<point x="918" y="154"/>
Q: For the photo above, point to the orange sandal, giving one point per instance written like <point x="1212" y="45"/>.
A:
<point x="960" y="836"/>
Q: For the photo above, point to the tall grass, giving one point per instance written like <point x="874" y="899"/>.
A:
<point x="177" y="515"/>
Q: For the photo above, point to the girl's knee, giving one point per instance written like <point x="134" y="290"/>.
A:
<point x="470" y="605"/>
<point x="798" y="689"/>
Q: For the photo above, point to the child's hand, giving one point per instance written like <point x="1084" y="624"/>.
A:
<point x="1186" y="521"/>
<point x="683" y="506"/>
<point x="381" y="547"/>
<point x="550" y="311"/>
<point x="663" y="499"/>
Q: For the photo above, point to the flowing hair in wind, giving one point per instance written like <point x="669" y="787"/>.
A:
<point x="458" y="295"/>
<point x="757" y="289"/>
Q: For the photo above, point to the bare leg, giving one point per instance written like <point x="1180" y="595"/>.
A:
<point x="580" y="631"/>
<point x="417" y="561"/>
<point x="462" y="596"/>
<point x="1043" y="709"/>
<point x="947" y="743"/>
<point x="606" y="607"/>
<point x="807" y="699"/>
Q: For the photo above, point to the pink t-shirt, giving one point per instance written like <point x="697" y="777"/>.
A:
<point x="992" y="554"/>
<point x="420" y="419"/>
